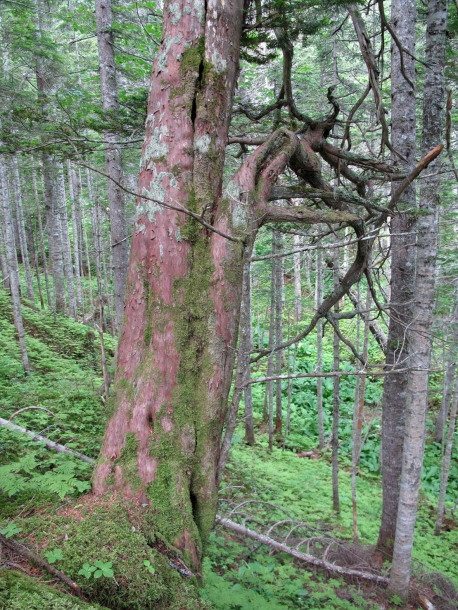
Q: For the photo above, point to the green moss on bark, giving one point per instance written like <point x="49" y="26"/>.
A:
<point x="193" y="57"/>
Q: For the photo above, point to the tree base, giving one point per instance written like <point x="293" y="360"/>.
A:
<point x="108" y="530"/>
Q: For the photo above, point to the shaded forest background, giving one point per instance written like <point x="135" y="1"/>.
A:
<point x="62" y="258"/>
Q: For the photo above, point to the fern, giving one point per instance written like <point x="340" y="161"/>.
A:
<point x="25" y="473"/>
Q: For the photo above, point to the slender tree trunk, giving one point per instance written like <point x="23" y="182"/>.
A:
<point x="270" y="360"/>
<point x="297" y="242"/>
<point x="33" y="254"/>
<point x="113" y="156"/>
<point x="446" y="461"/>
<point x="246" y="302"/>
<point x="420" y="332"/>
<point x="450" y="370"/>
<point x="41" y="239"/>
<point x="74" y="203"/>
<point x="21" y="227"/>
<point x="290" y="388"/>
<point x="359" y="412"/>
<point x="53" y="224"/>
<point x="89" y="272"/>
<point x="319" y="348"/>
<point x="403" y="136"/>
<point x="4" y="262"/>
<point x="54" y="230"/>
<point x="243" y="364"/>
<point x="66" y="247"/>
<point x="13" y="271"/>
<point x="278" y="331"/>
<point x="335" y="399"/>
<point x="442" y="415"/>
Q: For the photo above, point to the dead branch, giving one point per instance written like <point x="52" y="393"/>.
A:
<point x="330" y="374"/>
<point x="337" y="195"/>
<point x="401" y="49"/>
<point x="358" y="160"/>
<point x="374" y="327"/>
<point x="369" y="59"/>
<point x="305" y="557"/>
<point x="49" y="443"/>
<point x="161" y="203"/>
<point x="246" y="140"/>
<point x="306" y="215"/>
<point x="332" y="320"/>
<point x="20" y="549"/>
<point x="421" y="165"/>
<point x="33" y="407"/>
<point x="346" y="136"/>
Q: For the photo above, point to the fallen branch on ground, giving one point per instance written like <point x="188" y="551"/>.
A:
<point x="49" y="443"/>
<point x="305" y="557"/>
<point x="20" y="549"/>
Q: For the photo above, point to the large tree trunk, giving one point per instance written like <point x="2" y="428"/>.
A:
<point x="113" y="157"/>
<point x="420" y="331"/>
<point x="184" y="286"/>
<point x="402" y="273"/>
<point x="183" y="290"/>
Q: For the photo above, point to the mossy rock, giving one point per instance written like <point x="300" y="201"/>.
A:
<point x="19" y="592"/>
<point x="105" y="531"/>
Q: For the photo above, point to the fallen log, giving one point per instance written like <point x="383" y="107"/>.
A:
<point x="305" y="557"/>
<point x="49" y="443"/>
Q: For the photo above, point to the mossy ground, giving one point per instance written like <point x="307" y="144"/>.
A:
<point x="90" y="530"/>
<point x="19" y="592"/>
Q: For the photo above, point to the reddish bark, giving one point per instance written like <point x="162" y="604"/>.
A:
<point x="178" y="337"/>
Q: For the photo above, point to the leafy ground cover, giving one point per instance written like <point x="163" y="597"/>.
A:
<point x="302" y="488"/>
<point x="41" y="491"/>
<point x="65" y="383"/>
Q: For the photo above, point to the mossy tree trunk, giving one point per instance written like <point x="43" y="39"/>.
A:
<point x="184" y="285"/>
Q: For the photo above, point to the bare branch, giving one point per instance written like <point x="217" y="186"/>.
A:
<point x="49" y="444"/>
<point x="33" y="407"/>
<point x="306" y="215"/>
<point x="305" y="557"/>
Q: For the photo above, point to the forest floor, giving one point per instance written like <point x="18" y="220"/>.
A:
<point x="261" y="489"/>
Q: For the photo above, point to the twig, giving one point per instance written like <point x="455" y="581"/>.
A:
<point x="161" y="203"/>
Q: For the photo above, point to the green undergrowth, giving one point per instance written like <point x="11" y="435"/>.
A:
<point x="279" y="486"/>
<point x="65" y="383"/>
<point x="40" y="502"/>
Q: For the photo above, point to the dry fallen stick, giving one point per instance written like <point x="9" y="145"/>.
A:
<point x="49" y="444"/>
<point x="310" y="559"/>
<point x="33" y="407"/>
<point x="20" y="549"/>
